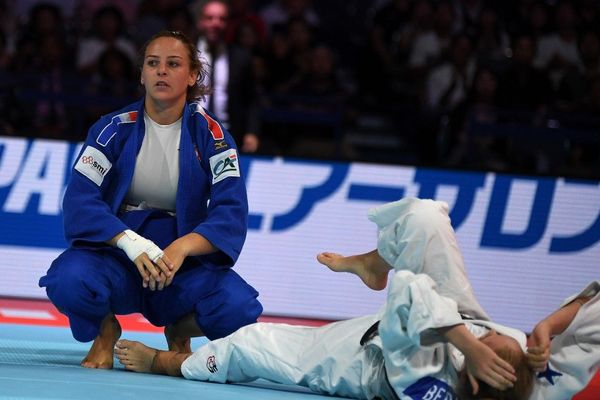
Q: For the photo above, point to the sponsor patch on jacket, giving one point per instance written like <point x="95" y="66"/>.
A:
<point x="93" y="164"/>
<point x="430" y="388"/>
<point x="224" y="165"/>
<point x="211" y="364"/>
<point x="221" y="144"/>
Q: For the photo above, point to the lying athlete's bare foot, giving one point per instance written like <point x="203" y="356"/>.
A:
<point x="101" y="352"/>
<point x="372" y="276"/>
<point x="135" y="356"/>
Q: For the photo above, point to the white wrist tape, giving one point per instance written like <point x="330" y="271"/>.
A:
<point x="133" y="245"/>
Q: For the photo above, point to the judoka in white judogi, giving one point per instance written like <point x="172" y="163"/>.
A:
<point x="407" y="359"/>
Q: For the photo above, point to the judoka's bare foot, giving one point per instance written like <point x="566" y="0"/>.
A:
<point x="135" y="356"/>
<point x="372" y="274"/>
<point x="101" y="352"/>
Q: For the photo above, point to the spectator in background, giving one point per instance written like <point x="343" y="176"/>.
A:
<point x="390" y="38"/>
<point x="246" y="30"/>
<point x="112" y="84"/>
<point x="448" y="84"/>
<point x="557" y="51"/>
<point x="9" y="27"/>
<point x="584" y="157"/>
<point x="446" y="87"/>
<point x="8" y="122"/>
<point x="320" y="80"/>
<point x="5" y="56"/>
<point x="589" y="16"/>
<point x="108" y="30"/>
<point x="249" y="38"/>
<point x="279" y="62"/>
<point x="280" y="12"/>
<point x="88" y="8"/>
<point x="151" y="17"/>
<point x="574" y="87"/>
<point x="523" y="86"/>
<point x="491" y="40"/>
<point x="53" y="82"/>
<point x="466" y="142"/>
<point x="180" y="19"/>
<point x="44" y="20"/>
<point x="318" y="99"/>
<point x="301" y="38"/>
<point x="242" y="16"/>
<point x="430" y="47"/>
<point x="43" y="63"/>
<point x="467" y="16"/>
<point x="231" y="77"/>
<point x="537" y="23"/>
<point x="22" y="9"/>
<point x="389" y="21"/>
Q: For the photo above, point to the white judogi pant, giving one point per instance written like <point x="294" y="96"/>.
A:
<point x="416" y="235"/>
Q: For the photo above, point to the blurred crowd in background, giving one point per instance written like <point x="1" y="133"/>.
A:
<point x="508" y="86"/>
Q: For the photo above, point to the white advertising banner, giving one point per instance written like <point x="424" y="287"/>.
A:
<point x="528" y="242"/>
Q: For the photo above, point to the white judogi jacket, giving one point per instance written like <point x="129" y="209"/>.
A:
<point x="575" y="353"/>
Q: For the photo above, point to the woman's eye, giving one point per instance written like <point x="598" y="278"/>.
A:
<point x="152" y="63"/>
<point x="173" y="64"/>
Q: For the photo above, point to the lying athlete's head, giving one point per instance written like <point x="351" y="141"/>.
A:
<point x="509" y="350"/>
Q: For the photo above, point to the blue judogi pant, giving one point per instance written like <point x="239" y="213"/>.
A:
<point x="86" y="284"/>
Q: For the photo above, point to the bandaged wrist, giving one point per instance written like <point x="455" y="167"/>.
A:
<point x="133" y="245"/>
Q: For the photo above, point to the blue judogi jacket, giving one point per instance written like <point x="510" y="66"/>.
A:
<point x="211" y="200"/>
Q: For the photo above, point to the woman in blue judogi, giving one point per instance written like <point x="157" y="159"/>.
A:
<point x="155" y="214"/>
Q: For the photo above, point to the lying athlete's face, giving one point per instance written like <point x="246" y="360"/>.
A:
<point x="166" y="73"/>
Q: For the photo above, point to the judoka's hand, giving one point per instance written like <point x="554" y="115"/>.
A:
<point x="175" y="252"/>
<point x="538" y="347"/>
<point x="483" y="363"/>
<point x="147" y="257"/>
<point x="163" y="266"/>
<point x="150" y="274"/>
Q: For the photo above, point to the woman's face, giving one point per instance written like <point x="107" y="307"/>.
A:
<point x="166" y="73"/>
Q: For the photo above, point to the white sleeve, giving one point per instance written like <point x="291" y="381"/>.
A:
<point x="575" y="353"/>
<point x="412" y="348"/>
<point x="413" y="310"/>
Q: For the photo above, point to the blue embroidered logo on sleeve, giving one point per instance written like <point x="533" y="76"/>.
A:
<point x="430" y="388"/>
